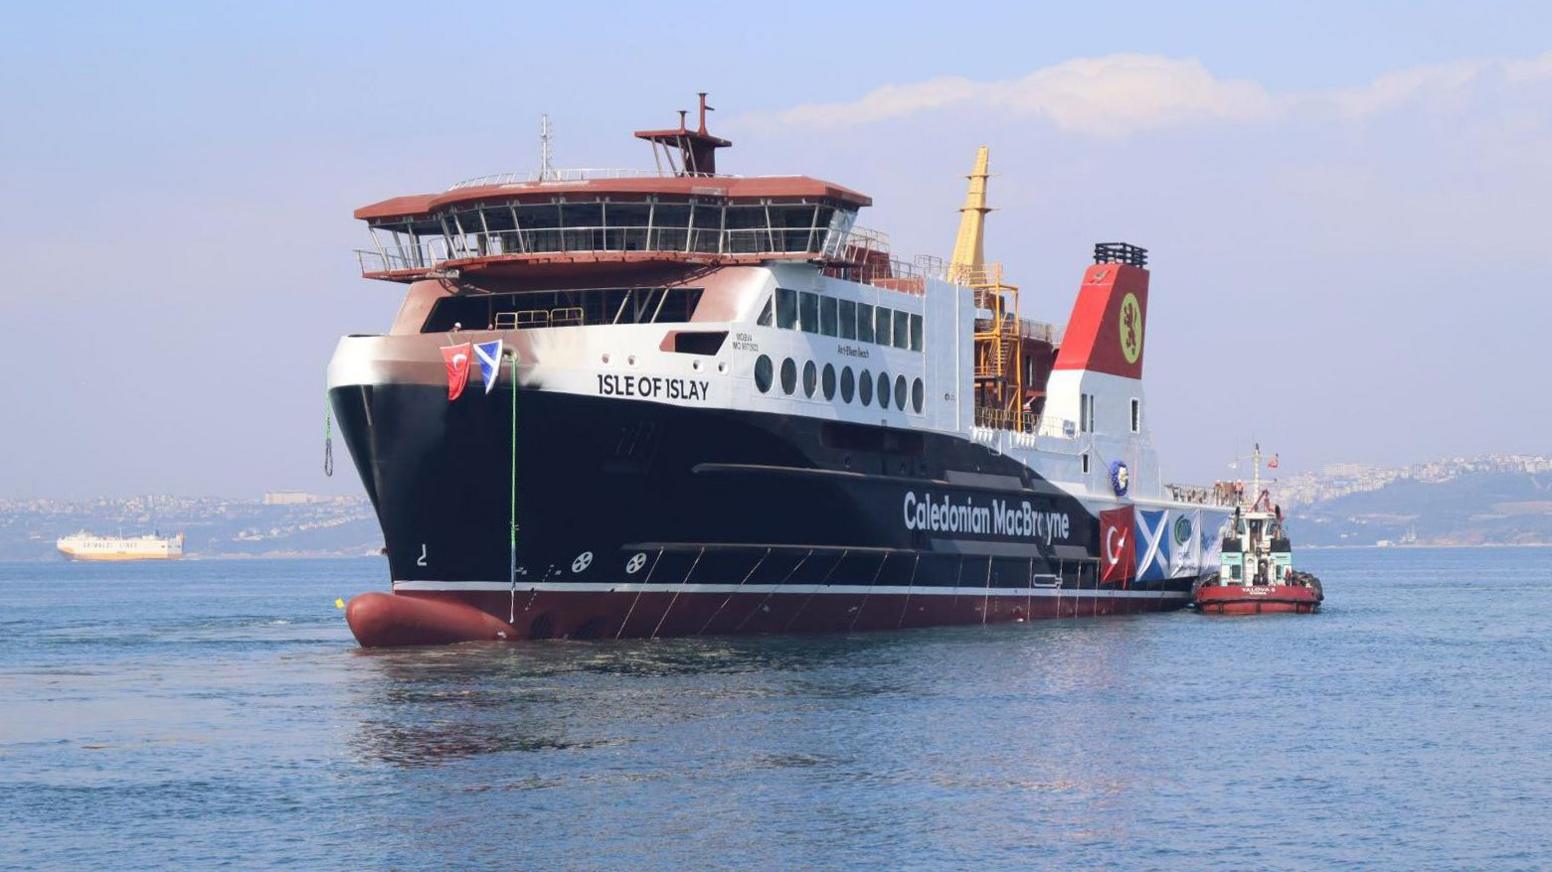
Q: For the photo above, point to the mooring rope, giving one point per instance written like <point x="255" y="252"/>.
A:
<point x="328" y="438"/>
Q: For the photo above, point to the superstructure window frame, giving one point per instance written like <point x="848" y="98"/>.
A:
<point x="808" y="311"/>
<point x="847" y="318"/>
<point x="827" y="315"/>
<point x="883" y="325"/>
<point x="864" y="322"/>
<point x="786" y="309"/>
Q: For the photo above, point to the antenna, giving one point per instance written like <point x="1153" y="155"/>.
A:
<point x="546" y="156"/>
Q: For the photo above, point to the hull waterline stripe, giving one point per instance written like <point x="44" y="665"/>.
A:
<point x="772" y="589"/>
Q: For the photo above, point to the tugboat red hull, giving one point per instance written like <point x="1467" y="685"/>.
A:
<point x="1257" y="599"/>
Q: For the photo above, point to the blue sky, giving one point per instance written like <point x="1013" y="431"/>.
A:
<point x="1368" y="180"/>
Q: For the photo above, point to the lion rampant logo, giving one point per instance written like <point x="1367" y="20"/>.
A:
<point x="1131" y="328"/>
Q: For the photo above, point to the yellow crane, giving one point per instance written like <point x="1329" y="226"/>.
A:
<point x="999" y="359"/>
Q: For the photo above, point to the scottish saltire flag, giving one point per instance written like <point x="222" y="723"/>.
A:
<point x="1186" y="544"/>
<point x="1212" y="547"/>
<point x="1152" y="544"/>
<point x="489" y="356"/>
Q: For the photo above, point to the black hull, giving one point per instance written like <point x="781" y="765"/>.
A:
<point x="648" y="501"/>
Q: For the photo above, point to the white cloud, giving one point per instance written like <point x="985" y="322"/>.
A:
<point x="1116" y="95"/>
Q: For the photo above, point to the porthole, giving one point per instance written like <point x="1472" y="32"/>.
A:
<point x="865" y="388"/>
<point x="848" y="384"/>
<point x="810" y="379"/>
<point x="918" y="395"/>
<point x="883" y="390"/>
<point x="722" y="366"/>
<point x="631" y="360"/>
<point x="827" y="381"/>
<point x="606" y="358"/>
<point x="789" y="376"/>
<point x="762" y="373"/>
<point x="695" y="365"/>
<point x="900" y="392"/>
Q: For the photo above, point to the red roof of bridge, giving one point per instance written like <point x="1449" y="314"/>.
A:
<point x="731" y="187"/>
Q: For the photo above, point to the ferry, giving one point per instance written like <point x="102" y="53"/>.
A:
<point x="86" y="546"/>
<point x="1256" y="574"/>
<point x="670" y="402"/>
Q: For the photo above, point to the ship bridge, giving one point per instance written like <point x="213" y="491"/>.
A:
<point x="681" y="212"/>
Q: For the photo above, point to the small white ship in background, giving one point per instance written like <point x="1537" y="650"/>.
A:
<point x="85" y="546"/>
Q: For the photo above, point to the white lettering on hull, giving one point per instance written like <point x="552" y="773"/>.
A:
<point x="999" y="518"/>
<point x="653" y="387"/>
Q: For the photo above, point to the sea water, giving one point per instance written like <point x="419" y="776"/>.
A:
<point x="217" y="713"/>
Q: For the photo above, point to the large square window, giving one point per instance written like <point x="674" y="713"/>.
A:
<point x="902" y="335"/>
<point x="848" y="319"/>
<point x="865" y="322"/>
<point x="881" y="325"/>
<point x="808" y="312"/>
<point x="827" y="316"/>
<point x="786" y="309"/>
<point x="916" y="333"/>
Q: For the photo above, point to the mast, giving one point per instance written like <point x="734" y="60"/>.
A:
<point x="546" y="156"/>
<point x="1255" y="478"/>
<point x="969" y="251"/>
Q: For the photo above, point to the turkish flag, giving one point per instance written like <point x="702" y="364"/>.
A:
<point x="1117" y="551"/>
<point x="456" y="359"/>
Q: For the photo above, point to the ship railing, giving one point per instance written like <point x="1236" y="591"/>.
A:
<point x="1198" y="494"/>
<point x="1049" y="426"/>
<point x="578" y="174"/>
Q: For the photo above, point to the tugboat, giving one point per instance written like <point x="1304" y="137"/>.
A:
<point x="1256" y="573"/>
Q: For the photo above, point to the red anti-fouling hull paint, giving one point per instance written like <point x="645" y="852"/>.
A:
<point x="1240" y="600"/>
<point x="441" y="617"/>
<point x="381" y="620"/>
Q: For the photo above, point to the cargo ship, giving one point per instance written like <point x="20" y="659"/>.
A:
<point x="86" y="546"/>
<point x="620" y="404"/>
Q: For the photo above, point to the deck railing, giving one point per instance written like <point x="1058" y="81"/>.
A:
<point x="1025" y="422"/>
<point x="581" y="174"/>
